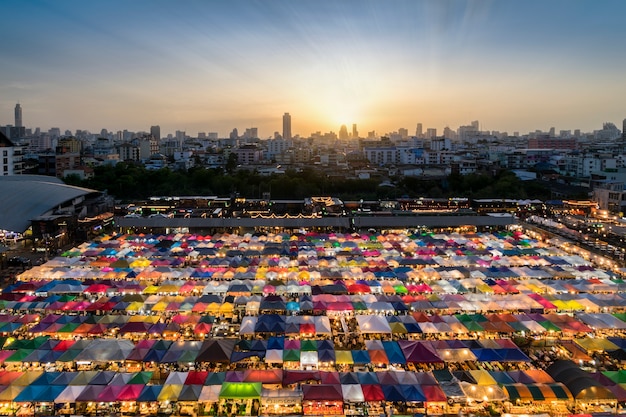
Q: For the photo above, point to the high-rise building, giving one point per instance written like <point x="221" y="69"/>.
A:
<point x="11" y="158"/>
<point x="251" y="133"/>
<point x="18" y="116"/>
<point x="343" y="132"/>
<point x="431" y="133"/>
<point x="355" y="133"/>
<point x="419" y="130"/>
<point x="287" y="126"/>
<point x="155" y="131"/>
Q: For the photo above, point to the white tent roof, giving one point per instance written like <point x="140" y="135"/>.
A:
<point x="373" y="324"/>
<point x="322" y="325"/>
<point x="210" y="393"/>
<point x="274" y="356"/>
<point x="69" y="394"/>
<point x="352" y="393"/>
<point x="306" y="358"/>
<point x="247" y="325"/>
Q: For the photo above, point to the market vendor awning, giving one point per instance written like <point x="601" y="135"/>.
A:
<point x="240" y="390"/>
<point x="322" y="392"/>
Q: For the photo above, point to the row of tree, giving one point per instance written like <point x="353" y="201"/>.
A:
<point x="127" y="182"/>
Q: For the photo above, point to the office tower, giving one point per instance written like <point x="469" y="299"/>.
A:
<point x="18" y="115"/>
<point x="251" y="133"/>
<point x="355" y="133"/>
<point x="155" y="131"/>
<point x="419" y="130"/>
<point x="287" y="126"/>
<point x="343" y="132"/>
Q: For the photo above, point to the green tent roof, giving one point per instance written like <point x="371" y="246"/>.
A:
<point x="548" y="325"/>
<point x="308" y="345"/>
<point x="19" y="355"/>
<point x="291" y="355"/>
<point x="241" y="390"/>
<point x="142" y="377"/>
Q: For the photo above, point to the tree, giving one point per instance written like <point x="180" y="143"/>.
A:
<point x="232" y="162"/>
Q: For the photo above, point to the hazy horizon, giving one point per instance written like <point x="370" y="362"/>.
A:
<point x="213" y="66"/>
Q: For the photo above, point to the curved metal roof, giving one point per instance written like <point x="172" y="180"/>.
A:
<point x="25" y="197"/>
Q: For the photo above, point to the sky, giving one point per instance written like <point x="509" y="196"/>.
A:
<point x="211" y="66"/>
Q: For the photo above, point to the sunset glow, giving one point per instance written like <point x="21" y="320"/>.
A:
<point x="214" y="66"/>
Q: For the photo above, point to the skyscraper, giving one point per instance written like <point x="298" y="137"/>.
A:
<point x="155" y="131"/>
<point x="419" y="130"/>
<point x="18" y="115"/>
<point x="343" y="132"/>
<point x="286" y="126"/>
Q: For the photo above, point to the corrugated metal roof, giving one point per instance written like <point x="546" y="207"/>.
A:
<point x="25" y="197"/>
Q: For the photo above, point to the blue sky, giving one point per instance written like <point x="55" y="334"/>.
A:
<point x="216" y="65"/>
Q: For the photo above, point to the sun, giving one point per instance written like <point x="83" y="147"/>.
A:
<point x="342" y="113"/>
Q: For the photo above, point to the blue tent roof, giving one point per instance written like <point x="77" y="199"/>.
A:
<point x="39" y="393"/>
<point x="393" y="393"/>
<point x="412" y="393"/>
<point x="361" y="357"/>
<point x="487" y="355"/>
<point x="513" y="355"/>
<point x="270" y="323"/>
<point x="393" y="352"/>
<point x="276" y="342"/>
<point x="367" y="377"/>
<point x="149" y="393"/>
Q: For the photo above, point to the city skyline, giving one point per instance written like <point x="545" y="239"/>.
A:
<point x="205" y="66"/>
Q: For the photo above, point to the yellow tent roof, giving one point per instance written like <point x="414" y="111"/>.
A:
<point x="27" y="378"/>
<point x="160" y="306"/>
<point x="151" y="289"/>
<point x="226" y="308"/>
<point x="343" y="357"/>
<point x="482" y="377"/>
<point x="397" y="327"/>
<point x="170" y="393"/>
